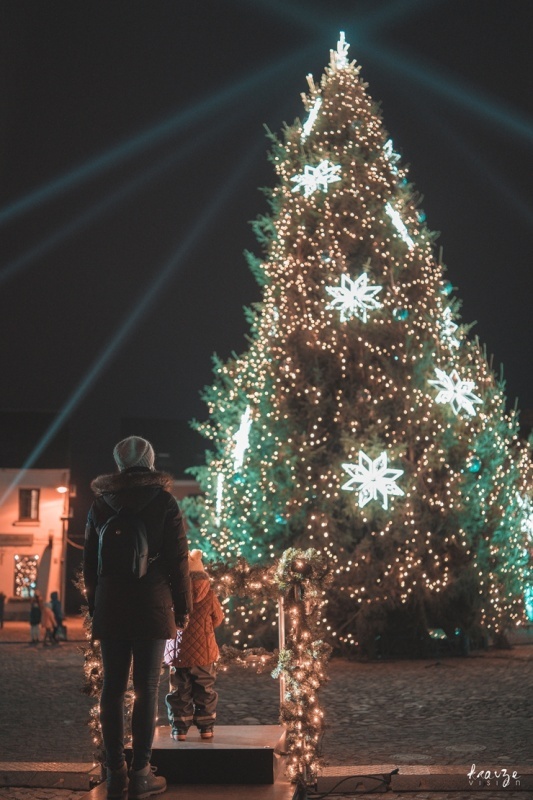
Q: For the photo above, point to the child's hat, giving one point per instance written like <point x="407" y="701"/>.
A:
<point x="195" y="561"/>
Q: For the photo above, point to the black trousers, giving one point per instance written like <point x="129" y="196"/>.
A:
<point x="117" y="657"/>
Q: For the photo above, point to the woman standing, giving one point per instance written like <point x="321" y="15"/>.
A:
<point x="133" y="614"/>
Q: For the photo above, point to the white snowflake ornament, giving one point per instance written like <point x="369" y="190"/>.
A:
<point x="319" y="177"/>
<point x="455" y="391"/>
<point x="371" y="477"/>
<point x="354" y="298"/>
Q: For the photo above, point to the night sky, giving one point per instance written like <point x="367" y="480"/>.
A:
<point x="132" y="150"/>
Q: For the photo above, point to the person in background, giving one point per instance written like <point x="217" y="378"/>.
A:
<point x="2" y="605"/>
<point x="49" y="625"/>
<point x="55" y="605"/>
<point x="35" y="617"/>
<point x="133" y="616"/>
<point x="192" y="699"/>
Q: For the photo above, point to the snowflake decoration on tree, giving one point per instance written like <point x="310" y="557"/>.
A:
<point x="318" y="177"/>
<point x="449" y="327"/>
<point x="354" y="297"/>
<point x="373" y="477"/>
<point x="393" y="157"/>
<point x="455" y="391"/>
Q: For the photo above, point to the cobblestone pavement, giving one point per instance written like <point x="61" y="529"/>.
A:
<point x="449" y="712"/>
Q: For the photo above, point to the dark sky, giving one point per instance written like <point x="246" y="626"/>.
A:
<point x="132" y="149"/>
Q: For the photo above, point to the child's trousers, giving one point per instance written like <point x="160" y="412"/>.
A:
<point x="192" y="699"/>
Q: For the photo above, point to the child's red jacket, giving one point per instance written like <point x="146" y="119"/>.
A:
<point x="198" y="645"/>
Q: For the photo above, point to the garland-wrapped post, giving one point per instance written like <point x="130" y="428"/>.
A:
<point x="302" y="577"/>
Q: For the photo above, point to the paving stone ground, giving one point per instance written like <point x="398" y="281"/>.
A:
<point x="451" y="711"/>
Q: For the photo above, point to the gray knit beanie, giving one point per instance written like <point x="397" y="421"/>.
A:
<point x="134" y="452"/>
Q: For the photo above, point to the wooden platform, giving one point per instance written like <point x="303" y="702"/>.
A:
<point x="238" y="754"/>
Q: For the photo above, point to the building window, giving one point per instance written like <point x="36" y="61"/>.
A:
<point x="25" y="575"/>
<point x="29" y="504"/>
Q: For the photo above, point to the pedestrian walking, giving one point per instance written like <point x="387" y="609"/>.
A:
<point x="192" y="699"/>
<point x="60" y="631"/>
<point x="36" y="606"/>
<point x="136" y="575"/>
<point x="48" y="624"/>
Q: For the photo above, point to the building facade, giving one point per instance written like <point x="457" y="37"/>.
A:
<point x="33" y="535"/>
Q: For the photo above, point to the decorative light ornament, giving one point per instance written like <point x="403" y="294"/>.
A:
<point x="388" y="149"/>
<point x="399" y="224"/>
<point x="374" y="477"/>
<point x="354" y="298"/>
<point x="473" y="464"/>
<point x="455" y="391"/>
<point x="400" y="313"/>
<point x="241" y="439"/>
<point x="339" y="57"/>
<point x="528" y="602"/>
<point x="526" y="522"/>
<point x="318" y="177"/>
<point x="311" y="119"/>
<point x="447" y="288"/>
<point x="449" y="327"/>
<point x="218" y="502"/>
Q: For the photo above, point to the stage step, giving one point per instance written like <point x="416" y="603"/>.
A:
<point x="238" y="754"/>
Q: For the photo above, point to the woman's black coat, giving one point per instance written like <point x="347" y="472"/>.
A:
<point x="124" y="607"/>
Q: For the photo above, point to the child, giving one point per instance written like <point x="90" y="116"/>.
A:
<point x="35" y="617"/>
<point x="48" y="622"/>
<point x="192" y="698"/>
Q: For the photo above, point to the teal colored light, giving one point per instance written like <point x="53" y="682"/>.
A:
<point x="528" y="601"/>
<point x="474" y="465"/>
<point x="123" y="193"/>
<point x="216" y="102"/>
<point x="147" y="299"/>
<point x="474" y="101"/>
<point x="400" y="313"/>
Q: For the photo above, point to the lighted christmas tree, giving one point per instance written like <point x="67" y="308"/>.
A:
<point x="362" y="420"/>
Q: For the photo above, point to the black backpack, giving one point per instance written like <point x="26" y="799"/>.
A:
<point x="123" y="545"/>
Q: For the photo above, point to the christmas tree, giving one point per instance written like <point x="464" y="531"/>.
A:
<point x="363" y="420"/>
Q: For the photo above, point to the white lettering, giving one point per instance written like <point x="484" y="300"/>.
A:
<point x="484" y="776"/>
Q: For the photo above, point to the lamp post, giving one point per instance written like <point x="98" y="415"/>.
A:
<point x="68" y="491"/>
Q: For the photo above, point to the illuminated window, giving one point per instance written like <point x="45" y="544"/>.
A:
<point x="29" y="504"/>
<point x="25" y="575"/>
